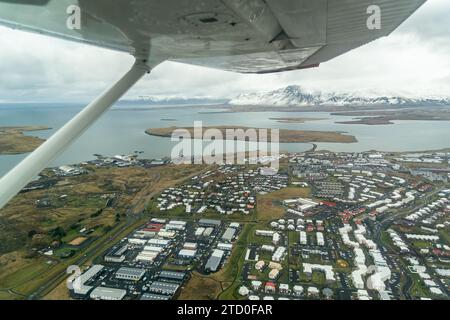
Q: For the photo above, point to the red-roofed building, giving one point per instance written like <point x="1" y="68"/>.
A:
<point x="270" y="287"/>
<point x="329" y="203"/>
<point x="154" y="227"/>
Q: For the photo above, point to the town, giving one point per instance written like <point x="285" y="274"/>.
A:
<point x="361" y="226"/>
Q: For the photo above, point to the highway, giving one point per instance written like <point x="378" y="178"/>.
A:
<point x="135" y="217"/>
<point x="91" y="253"/>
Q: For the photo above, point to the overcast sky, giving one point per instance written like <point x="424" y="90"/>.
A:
<point x="415" y="60"/>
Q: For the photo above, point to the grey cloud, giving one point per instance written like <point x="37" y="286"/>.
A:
<point x="414" y="59"/>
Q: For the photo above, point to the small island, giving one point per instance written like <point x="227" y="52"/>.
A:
<point x="387" y="117"/>
<point x="369" y="121"/>
<point x="14" y="141"/>
<point x="286" y="136"/>
<point x="295" y="120"/>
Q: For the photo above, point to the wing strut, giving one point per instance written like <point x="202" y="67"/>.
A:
<point x="31" y="166"/>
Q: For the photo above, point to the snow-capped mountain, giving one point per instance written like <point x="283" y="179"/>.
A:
<point x="173" y="101"/>
<point x="296" y="96"/>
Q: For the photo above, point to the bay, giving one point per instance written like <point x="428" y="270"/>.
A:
<point x="122" y="130"/>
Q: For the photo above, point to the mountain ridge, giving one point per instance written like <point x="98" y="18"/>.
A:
<point x="295" y="96"/>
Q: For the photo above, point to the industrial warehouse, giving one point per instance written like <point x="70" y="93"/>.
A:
<point x="155" y="261"/>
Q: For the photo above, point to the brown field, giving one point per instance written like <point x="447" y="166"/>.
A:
<point x="269" y="206"/>
<point x="14" y="141"/>
<point x="77" y="241"/>
<point x="59" y="293"/>
<point x="201" y="288"/>
<point x="286" y="136"/>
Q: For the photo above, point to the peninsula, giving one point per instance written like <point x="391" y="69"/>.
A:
<point x="286" y="136"/>
<point x="14" y="141"/>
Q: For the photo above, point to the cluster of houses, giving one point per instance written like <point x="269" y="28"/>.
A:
<point x="425" y="225"/>
<point x="120" y="161"/>
<point x="366" y="276"/>
<point x="429" y="213"/>
<point x="283" y="291"/>
<point x="319" y="165"/>
<point x="229" y="190"/>
<point x="273" y="268"/>
<point x="366" y="186"/>
<point x="423" y="273"/>
<point x="431" y="158"/>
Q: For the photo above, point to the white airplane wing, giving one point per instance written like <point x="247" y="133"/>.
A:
<point x="247" y="36"/>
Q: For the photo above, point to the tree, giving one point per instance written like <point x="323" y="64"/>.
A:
<point x="57" y="233"/>
<point x="31" y="233"/>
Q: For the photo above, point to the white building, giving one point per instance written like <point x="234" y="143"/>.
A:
<point x="308" y="269"/>
<point x="276" y="238"/>
<point x="320" y="239"/>
<point x="278" y="256"/>
<point x="104" y="293"/>
<point x="303" y="238"/>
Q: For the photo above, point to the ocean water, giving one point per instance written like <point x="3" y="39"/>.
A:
<point x="122" y="130"/>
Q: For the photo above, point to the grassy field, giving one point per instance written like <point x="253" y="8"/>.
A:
<point x="26" y="280"/>
<point x="269" y="206"/>
<point x="232" y="273"/>
<point x="23" y="272"/>
<point x="294" y="237"/>
<point x="419" y="244"/>
<point x="418" y="289"/>
<point x="25" y="227"/>
<point x="14" y="141"/>
<point x="387" y="241"/>
<point x="5" y="295"/>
